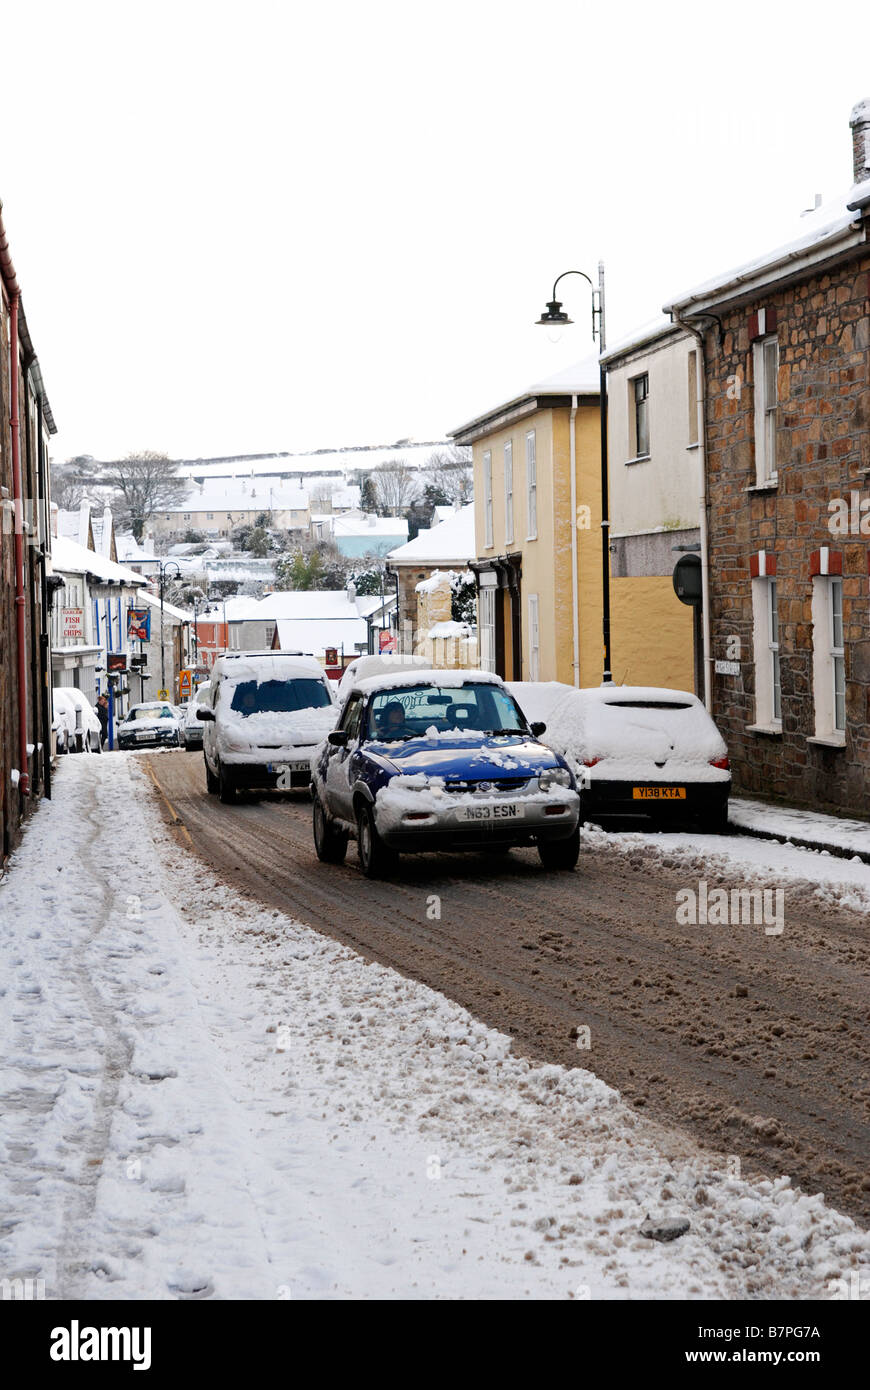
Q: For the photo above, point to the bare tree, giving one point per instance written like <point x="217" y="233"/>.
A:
<point x="69" y="481"/>
<point x="395" y="486"/>
<point x="449" y="475"/>
<point x="142" y="483"/>
<point x="320" y="500"/>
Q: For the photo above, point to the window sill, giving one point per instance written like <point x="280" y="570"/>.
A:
<point x="696" y="445"/>
<point x="829" y="741"/>
<point x="639" y="458"/>
<point x="771" y="730"/>
<point x="770" y="486"/>
<point x="531" y="538"/>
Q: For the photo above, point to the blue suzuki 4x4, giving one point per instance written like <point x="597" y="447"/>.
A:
<point x="439" y="760"/>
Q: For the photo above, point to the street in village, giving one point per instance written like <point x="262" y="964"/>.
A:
<point x="235" y="1071"/>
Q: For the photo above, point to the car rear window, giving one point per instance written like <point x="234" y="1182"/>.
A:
<point x="278" y="697"/>
<point x="646" y="704"/>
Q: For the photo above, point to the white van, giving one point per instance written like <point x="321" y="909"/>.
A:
<point x="263" y="717"/>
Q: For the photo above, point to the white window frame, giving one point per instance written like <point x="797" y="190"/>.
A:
<point x="487" y="500"/>
<point x="767" y="656"/>
<point x="640" y="404"/>
<point x="509" y="492"/>
<point x="534" y="638"/>
<point x="531" y="486"/>
<point x="765" y="368"/>
<point x="829" y="663"/>
<point x="486" y="599"/>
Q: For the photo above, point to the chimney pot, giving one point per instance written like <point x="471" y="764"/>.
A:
<point x="859" y="122"/>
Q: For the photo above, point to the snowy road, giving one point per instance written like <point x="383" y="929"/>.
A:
<point x="203" y="1098"/>
<point x="756" y="1043"/>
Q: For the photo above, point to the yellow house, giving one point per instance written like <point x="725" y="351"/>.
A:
<point x="525" y="569"/>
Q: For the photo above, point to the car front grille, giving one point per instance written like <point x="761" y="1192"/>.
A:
<point x="486" y="785"/>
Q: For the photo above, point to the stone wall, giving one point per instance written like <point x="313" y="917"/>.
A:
<point x="823" y="454"/>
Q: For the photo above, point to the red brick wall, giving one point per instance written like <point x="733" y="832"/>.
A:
<point x="823" y="445"/>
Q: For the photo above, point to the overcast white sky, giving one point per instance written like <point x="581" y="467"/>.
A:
<point x="250" y="227"/>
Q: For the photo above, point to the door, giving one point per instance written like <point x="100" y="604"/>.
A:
<point x="338" y="790"/>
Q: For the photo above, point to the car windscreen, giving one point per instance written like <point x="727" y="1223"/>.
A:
<point x="411" y="711"/>
<point x="150" y="712"/>
<point x="279" y="697"/>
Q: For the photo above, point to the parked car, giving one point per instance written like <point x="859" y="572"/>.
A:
<point x="154" y="724"/>
<point x="429" y="760"/>
<point x="191" y="726"/>
<point x="265" y="714"/>
<point x="78" y="725"/>
<point x="638" y="752"/>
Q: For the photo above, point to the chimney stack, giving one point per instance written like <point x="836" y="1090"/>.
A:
<point x="860" y="125"/>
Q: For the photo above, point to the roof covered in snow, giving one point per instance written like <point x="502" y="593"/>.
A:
<point x="813" y="237"/>
<point x="68" y="557"/>
<point x="580" y="379"/>
<point x="450" y="542"/>
<point x="315" y="635"/>
<point x="254" y="495"/>
<point x="368" y="524"/>
<point x="169" y="609"/>
<point x="301" y="605"/>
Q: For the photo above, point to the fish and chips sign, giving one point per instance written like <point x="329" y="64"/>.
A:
<point x="72" y="624"/>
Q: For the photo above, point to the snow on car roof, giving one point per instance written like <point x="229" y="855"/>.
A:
<point x="422" y="676"/>
<point x="630" y="694"/>
<point x="280" y="666"/>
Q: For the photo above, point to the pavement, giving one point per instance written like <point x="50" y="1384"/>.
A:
<point x="836" y="835"/>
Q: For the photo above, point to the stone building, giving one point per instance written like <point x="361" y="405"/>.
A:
<point x="448" y="546"/>
<point x="25" y="543"/>
<point x="784" y="351"/>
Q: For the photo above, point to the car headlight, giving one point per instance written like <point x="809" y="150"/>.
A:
<point x="554" y="777"/>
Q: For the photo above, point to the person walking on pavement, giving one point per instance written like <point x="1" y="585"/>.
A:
<point x="103" y="716"/>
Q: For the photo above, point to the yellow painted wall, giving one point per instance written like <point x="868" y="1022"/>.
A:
<point x="546" y="560"/>
<point x="651" y="634"/>
<point x="651" y="631"/>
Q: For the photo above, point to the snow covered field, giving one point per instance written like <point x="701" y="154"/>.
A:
<point x="200" y="1097"/>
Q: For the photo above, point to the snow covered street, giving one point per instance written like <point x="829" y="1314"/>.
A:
<point x="201" y="1097"/>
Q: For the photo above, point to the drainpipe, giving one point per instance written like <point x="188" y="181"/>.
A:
<point x="18" y="502"/>
<point x="701" y="403"/>
<point x="575" y="592"/>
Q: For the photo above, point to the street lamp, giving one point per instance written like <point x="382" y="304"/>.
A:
<point x="164" y="566"/>
<point x="555" y="315"/>
<point x="221" y="598"/>
<point x="197" y="594"/>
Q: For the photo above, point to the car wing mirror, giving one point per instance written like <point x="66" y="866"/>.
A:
<point x="538" y="728"/>
<point x="338" y="738"/>
<point x="205" y="714"/>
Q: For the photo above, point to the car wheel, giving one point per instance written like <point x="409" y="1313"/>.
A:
<point x="226" y="790"/>
<point x="211" y="782"/>
<point x="560" y="854"/>
<point x="376" y="861"/>
<point x="330" y="844"/>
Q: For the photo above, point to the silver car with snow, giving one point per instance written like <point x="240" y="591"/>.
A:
<point x="263" y="717"/>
